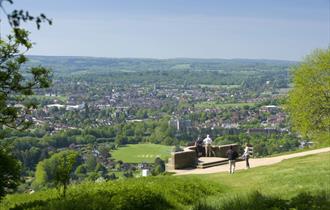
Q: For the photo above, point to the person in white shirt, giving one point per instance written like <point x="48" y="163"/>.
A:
<point x="247" y="153"/>
<point x="207" y="145"/>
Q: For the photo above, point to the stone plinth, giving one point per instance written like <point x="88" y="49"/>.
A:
<point x="184" y="159"/>
<point x="188" y="158"/>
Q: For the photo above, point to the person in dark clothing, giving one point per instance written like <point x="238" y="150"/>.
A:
<point x="232" y="155"/>
<point x="199" y="147"/>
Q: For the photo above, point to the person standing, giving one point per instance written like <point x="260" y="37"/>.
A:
<point x="232" y="155"/>
<point x="208" y="146"/>
<point x="246" y="155"/>
<point x="199" y="147"/>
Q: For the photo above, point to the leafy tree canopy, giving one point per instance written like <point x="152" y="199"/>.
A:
<point x="58" y="170"/>
<point x="309" y="101"/>
<point x="17" y="82"/>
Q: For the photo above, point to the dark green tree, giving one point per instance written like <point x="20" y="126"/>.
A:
<point x="9" y="173"/>
<point x="16" y="83"/>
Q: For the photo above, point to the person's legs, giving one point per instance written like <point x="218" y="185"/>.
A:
<point x="200" y="150"/>
<point x="247" y="162"/>
<point x="230" y="166"/>
<point x="234" y="165"/>
<point x="209" y="149"/>
<point x="203" y="151"/>
<point x="206" y="150"/>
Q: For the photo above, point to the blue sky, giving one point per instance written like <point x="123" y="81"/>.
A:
<point x="270" y="29"/>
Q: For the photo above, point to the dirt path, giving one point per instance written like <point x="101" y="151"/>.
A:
<point x="253" y="163"/>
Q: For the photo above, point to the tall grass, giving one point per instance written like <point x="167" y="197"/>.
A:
<point x="141" y="193"/>
<point x="258" y="201"/>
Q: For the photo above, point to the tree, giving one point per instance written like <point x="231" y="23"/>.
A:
<point x="58" y="170"/>
<point x="15" y="84"/>
<point x="159" y="167"/>
<point x="81" y="170"/>
<point x="100" y="169"/>
<point x="64" y="168"/>
<point x="90" y="162"/>
<point x="120" y="139"/>
<point x="309" y="101"/>
<point x="105" y="151"/>
<point x="9" y="172"/>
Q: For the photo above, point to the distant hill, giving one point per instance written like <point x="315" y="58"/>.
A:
<point x="76" y="63"/>
<point x="168" y="71"/>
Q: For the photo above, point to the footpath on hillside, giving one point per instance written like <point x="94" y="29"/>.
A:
<point x="254" y="162"/>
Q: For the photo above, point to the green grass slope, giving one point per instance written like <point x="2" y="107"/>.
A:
<point x="301" y="183"/>
<point x="309" y="173"/>
<point x="304" y="180"/>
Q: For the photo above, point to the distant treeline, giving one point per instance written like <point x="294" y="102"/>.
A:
<point x="167" y="71"/>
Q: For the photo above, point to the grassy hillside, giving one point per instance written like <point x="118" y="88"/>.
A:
<point x="310" y="173"/>
<point x="281" y="181"/>
<point x="275" y="184"/>
<point x="136" y="153"/>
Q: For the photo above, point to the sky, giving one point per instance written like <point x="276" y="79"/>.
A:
<point x="262" y="29"/>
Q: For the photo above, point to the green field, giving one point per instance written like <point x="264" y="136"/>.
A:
<point x="220" y="86"/>
<point x="43" y="97"/>
<point x="137" y="153"/>
<point x="215" y="105"/>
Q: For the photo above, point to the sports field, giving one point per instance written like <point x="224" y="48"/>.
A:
<point x="137" y="153"/>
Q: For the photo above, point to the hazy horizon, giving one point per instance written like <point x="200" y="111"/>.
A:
<point x="170" y="58"/>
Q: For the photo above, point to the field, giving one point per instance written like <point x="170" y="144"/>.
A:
<point x="213" y="104"/>
<point x="43" y="97"/>
<point x="220" y="86"/>
<point x="137" y="153"/>
<point x="299" y="181"/>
